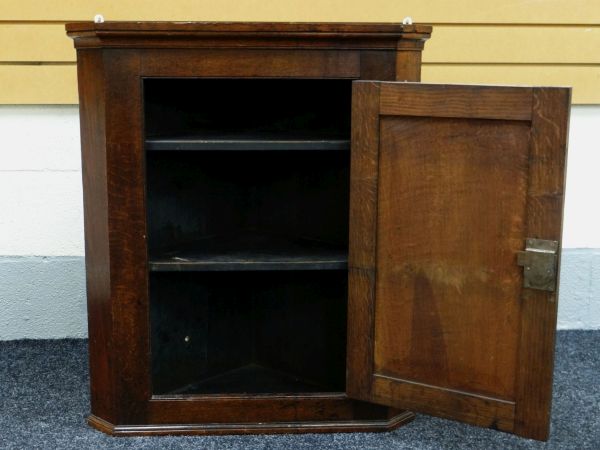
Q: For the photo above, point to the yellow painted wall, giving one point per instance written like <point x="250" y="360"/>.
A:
<point x="542" y="42"/>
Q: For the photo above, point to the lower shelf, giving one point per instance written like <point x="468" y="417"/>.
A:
<point x="250" y="379"/>
<point x="252" y="251"/>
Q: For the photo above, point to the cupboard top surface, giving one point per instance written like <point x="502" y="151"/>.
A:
<point x="257" y="27"/>
<point x="260" y="34"/>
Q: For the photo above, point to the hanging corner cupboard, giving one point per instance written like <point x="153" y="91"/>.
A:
<point x="287" y="232"/>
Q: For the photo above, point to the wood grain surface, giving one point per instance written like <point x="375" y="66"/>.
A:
<point x="464" y="174"/>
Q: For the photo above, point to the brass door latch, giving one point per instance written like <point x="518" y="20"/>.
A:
<point x="539" y="261"/>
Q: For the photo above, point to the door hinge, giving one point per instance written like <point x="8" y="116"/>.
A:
<point x="539" y="261"/>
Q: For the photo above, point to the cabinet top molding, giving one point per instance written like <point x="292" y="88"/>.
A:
<point x="247" y="34"/>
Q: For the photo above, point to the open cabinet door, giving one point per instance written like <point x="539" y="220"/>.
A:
<point x="455" y="222"/>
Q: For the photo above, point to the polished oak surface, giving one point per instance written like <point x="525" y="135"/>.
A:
<point x="117" y="64"/>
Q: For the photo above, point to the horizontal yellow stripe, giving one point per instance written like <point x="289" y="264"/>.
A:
<point x="514" y="44"/>
<point x="436" y="11"/>
<point x="45" y="84"/>
<point x="453" y="44"/>
<point x="57" y="84"/>
<point x="585" y="80"/>
<point x="35" y="42"/>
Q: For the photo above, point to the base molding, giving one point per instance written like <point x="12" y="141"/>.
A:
<point x="342" y="426"/>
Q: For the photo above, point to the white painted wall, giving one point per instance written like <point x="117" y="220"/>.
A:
<point x="581" y="228"/>
<point x="42" y="216"/>
<point x="40" y="181"/>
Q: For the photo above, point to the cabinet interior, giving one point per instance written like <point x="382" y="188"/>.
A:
<point x="247" y="213"/>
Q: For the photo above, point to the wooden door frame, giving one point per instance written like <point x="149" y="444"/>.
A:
<point x="546" y="109"/>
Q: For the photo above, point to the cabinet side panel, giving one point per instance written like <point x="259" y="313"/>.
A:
<point x="95" y="204"/>
<point x="408" y="60"/>
<point x="127" y="231"/>
<point x="363" y="227"/>
<point x="544" y="221"/>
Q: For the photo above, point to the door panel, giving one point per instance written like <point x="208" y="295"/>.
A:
<point x="447" y="183"/>
<point x="447" y="288"/>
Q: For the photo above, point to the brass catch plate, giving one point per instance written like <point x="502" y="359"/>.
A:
<point x="540" y="264"/>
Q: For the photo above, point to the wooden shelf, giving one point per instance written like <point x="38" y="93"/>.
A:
<point x="251" y="251"/>
<point x="250" y="379"/>
<point x="247" y="141"/>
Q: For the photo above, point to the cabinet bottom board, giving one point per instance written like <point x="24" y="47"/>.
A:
<point x="342" y="426"/>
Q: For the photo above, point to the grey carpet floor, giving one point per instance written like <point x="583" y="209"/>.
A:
<point x="44" y="401"/>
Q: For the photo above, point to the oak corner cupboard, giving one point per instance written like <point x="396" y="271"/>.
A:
<point x="287" y="232"/>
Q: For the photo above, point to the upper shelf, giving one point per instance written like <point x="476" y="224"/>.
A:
<point x="254" y="141"/>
